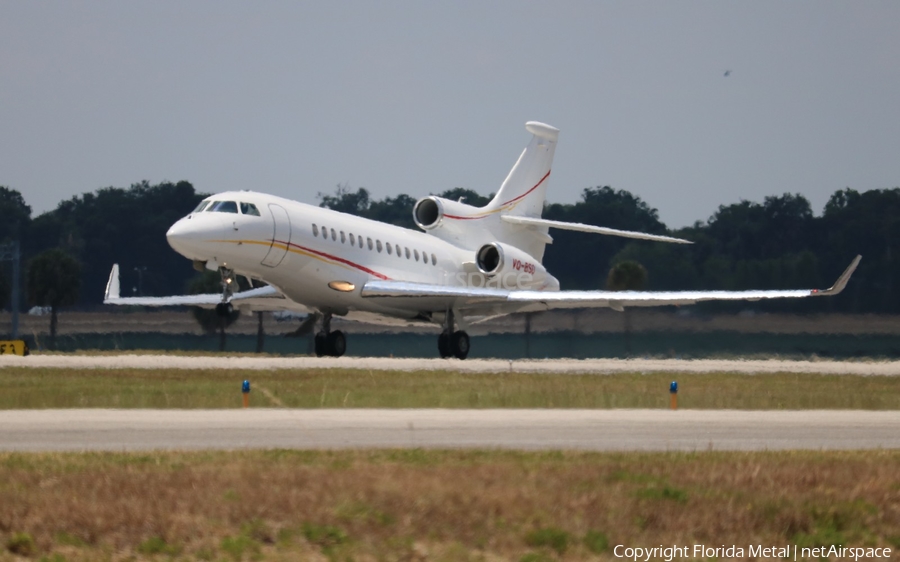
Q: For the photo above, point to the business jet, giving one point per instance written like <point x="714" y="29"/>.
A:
<point x="466" y="264"/>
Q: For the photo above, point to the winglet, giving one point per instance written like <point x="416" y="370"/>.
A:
<point x="112" y="286"/>
<point x="842" y="280"/>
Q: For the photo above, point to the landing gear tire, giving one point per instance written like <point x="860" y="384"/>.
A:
<point x="224" y="309"/>
<point x="328" y="342"/>
<point x="459" y="344"/>
<point x="332" y="344"/>
<point x="320" y="344"/>
<point x="336" y="343"/>
<point x="444" y="345"/>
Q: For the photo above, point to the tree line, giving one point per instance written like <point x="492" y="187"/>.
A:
<point x="776" y="243"/>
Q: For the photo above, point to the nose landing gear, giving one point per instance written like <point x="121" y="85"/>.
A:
<point x="452" y="343"/>
<point x="330" y="343"/>
<point x="225" y="308"/>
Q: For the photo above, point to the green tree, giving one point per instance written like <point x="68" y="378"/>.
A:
<point x="394" y="210"/>
<point x="345" y="200"/>
<point x="865" y="223"/>
<point x="15" y="219"/>
<point x="468" y="196"/>
<point x="54" y="279"/>
<point x="124" y="226"/>
<point x="5" y="287"/>
<point x="669" y="266"/>
<point x="578" y="259"/>
<point x="16" y="215"/>
<point x="627" y="276"/>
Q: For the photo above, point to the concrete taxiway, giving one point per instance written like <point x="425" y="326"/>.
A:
<point x="559" y="366"/>
<point x="600" y="430"/>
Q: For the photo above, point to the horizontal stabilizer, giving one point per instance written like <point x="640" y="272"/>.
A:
<point x="579" y="227"/>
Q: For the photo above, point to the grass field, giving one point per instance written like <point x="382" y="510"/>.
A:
<point x="334" y="388"/>
<point x="409" y="505"/>
<point x="436" y="505"/>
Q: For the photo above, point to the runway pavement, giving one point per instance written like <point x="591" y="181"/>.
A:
<point x="601" y="430"/>
<point x="560" y="366"/>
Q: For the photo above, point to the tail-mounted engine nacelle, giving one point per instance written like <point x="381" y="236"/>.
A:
<point x="445" y="218"/>
<point x="508" y="267"/>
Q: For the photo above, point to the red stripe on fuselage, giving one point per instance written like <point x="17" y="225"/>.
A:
<point x="337" y="259"/>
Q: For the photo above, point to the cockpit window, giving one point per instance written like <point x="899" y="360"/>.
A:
<point x="201" y="206"/>
<point x="249" y="209"/>
<point x="224" y="207"/>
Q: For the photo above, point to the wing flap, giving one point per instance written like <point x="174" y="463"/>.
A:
<point x="422" y="290"/>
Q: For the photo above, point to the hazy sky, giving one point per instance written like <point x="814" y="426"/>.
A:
<point x="293" y="98"/>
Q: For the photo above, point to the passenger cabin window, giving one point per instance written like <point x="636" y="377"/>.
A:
<point x="398" y="250"/>
<point x="407" y="252"/>
<point x="201" y="206"/>
<point x="224" y="207"/>
<point x="378" y="245"/>
<point x="315" y="230"/>
<point x="343" y="238"/>
<point x="360" y="238"/>
<point x="325" y="232"/>
<point x="369" y="241"/>
<point x="433" y="259"/>
<point x="334" y="235"/>
<point x="352" y="240"/>
<point x="388" y="248"/>
<point x="249" y="209"/>
<point x="416" y="253"/>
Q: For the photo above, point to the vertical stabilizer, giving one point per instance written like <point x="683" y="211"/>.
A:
<point x="112" y="285"/>
<point x="522" y="193"/>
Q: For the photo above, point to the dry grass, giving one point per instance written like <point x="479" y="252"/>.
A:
<point x="336" y="388"/>
<point x="439" y="505"/>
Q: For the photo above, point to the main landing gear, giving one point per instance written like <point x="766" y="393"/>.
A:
<point x="450" y="343"/>
<point x="328" y="343"/>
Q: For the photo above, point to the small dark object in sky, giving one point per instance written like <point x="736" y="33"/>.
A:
<point x="727" y="73"/>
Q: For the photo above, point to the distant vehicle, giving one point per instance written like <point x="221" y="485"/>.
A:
<point x="289" y="315"/>
<point x="468" y="265"/>
<point x="39" y="310"/>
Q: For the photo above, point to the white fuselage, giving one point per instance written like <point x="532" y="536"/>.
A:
<point x="321" y="258"/>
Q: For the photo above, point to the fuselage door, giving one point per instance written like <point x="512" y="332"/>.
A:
<point x="281" y="236"/>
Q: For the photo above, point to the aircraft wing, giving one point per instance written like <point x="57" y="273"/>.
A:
<point x="492" y="300"/>
<point x="260" y="299"/>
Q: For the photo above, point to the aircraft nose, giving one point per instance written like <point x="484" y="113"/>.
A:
<point x="179" y="236"/>
<point x="176" y="232"/>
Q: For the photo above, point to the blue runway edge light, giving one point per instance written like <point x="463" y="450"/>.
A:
<point x="245" y="387"/>
<point x="673" y="388"/>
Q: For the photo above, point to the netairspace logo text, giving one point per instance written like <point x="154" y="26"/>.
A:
<point x="788" y="551"/>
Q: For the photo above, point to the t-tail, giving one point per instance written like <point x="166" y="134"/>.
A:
<point x="524" y="189"/>
<point x="521" y="194"/>
<point x="513" y="216"/>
